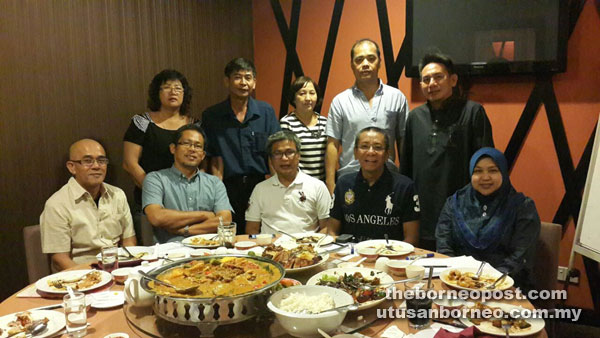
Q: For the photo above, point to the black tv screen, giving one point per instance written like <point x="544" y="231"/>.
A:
<point x="489" y="37"/>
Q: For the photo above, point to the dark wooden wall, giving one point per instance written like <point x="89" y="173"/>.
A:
<point x="74" y="69"/>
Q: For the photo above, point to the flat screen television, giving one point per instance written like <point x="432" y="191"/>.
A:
<point x="489" y="37"/>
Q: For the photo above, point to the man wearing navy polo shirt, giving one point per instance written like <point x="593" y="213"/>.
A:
<point x="237" y="130"/>
<point x="375" y="200"/>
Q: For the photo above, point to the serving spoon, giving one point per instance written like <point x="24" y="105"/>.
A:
<point x="189" y="289"/>
<point x="370" y="287"/>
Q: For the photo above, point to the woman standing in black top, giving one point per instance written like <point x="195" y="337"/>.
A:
<point x="146" y="141"/>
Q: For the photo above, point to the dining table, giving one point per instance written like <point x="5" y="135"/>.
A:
<point x="142" y="322"/>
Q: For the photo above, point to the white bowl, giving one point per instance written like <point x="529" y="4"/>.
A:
<point x="120" y="274"/>
<point x="264" y="239"/>
<point x="244" y="245"/>
<point x="117" y="335"/>
<point x="306" y="325"/>
<point x="413" y="271"/>
<point x="397" y="267"/>
<point x="370" y="253"/>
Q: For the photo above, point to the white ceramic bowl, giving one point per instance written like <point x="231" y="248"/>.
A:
<point x="264" y="239"/>
<point x="415" y="271"/>
<point x="398" y="267"/>
<point x="117" y="335"/>
<point x="370" y="253"/>
<point x="306" y="325"/>
<point x="120" y="274"/>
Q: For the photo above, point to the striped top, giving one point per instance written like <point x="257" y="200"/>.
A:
<point x="313" y="143"/>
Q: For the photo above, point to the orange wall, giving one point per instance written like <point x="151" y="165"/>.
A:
<point x="536" y="171"/>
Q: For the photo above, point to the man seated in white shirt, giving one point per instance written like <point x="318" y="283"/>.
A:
<point x="290" y="200"/>
<point x="86" y="213"/>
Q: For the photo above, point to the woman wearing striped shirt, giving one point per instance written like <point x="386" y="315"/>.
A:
<point x="305" y="122"/>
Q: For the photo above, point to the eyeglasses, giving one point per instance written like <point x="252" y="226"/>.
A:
<point x="88" y="162"/>
<point x="174" y="89"/>
<point x="376" y="148"/>
<point x="288" y="153"/>
<point x="437" y="78"/>
<point x="189" y="145"/>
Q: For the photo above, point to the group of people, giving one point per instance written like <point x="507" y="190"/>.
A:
<point x="337" y="174"/>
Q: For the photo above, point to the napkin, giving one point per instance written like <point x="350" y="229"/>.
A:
<point x="30" y="292"/>
<point x="470" y="332"/>
<point x="455" y="262"/>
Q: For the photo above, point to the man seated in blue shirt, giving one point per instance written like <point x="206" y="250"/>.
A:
<point x="237" y="131"/>
<point x="181" y="200"/>
<point x="375" y="201"/>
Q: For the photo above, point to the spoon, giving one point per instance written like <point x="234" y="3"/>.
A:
<point x="387" y="242"/>
<point x="369" y="287"/>
<point x="37" y="329"/>
<point x="177" y="289"/>
<point x="478" y="274"/>
<point x="506" y="327"/>
<point x="323" y="333"/>
<point x="501" y="278"/>
<point x="128" y="252"/>
<point x="351" y="307"/>
<point x="351" y="264"/>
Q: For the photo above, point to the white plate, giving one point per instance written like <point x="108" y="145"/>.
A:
<point x="188" y="241"/>
<point x="537" y="324"/>
<point x="124" y="257"/>
<point x="505" y="284"/>
<point x="366" y="272"/>
<point x="325" y="258"/>
<point x="404" y="249"/>
<point x="284" y="239"/>
<point x="56" y="321"/>
<point x="42" y="284"/>
<point x="105" y="299"/>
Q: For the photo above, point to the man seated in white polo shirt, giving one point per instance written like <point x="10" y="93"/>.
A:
<point x="290" y="200"/>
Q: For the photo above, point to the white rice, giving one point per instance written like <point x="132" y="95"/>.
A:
<point x="299" y="302"/>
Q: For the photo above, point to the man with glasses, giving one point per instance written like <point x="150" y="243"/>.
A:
<point x="181" y="201"/>
<point x="441" y="136"/>
<point x="369" y="102"/>
<point x="375" y="201"/>
<point x="290" y="200"/>
<point x="86" y="213"/>
<point x="237" y="131"/>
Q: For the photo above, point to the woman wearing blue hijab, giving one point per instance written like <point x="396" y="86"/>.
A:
<point x="489" y="220"/>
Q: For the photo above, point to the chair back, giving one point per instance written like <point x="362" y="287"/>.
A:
<point x="147" y="231"/>
<point x="38" y="263"/>
<point x="547" y="253"/>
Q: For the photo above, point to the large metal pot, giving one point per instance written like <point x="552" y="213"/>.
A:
<point x="208" y="313"/>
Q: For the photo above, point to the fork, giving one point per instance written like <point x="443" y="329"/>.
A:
<point x="501" y="278"/>
<point x="387" y="242"/>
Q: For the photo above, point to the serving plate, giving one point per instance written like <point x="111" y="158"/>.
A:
<point x="126" y="260"/>
<point x="400" y="248"/>
<point x="42" y="284"/>
<point x="56" y="321"/>
<point x="366" y="273"/>
<point x="105" y="299"/>
<point x="188" y="241"/>
<point x="537" y="324"/>
<point x="492" y="274"/>
<point x="324" y="259"/>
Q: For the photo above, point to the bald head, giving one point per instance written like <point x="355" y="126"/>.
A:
<point x="89" y="176"/>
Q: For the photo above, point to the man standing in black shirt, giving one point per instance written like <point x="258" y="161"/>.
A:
<point x="441" y="136"/>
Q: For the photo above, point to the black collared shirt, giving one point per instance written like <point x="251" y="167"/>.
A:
<point x="372" y="211"/>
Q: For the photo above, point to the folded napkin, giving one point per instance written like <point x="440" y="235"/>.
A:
<point x="455" y="262"/>
<point x="470" y="332"/>
<point x="30" y="292"/>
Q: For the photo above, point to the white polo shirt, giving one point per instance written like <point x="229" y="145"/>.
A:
<point x="295" y="208"/>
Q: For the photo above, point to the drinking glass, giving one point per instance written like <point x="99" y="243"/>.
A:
<point x="227" y="234"/>
<point x="418" y="304"/>
<point x="110" y="258"/>
<point x="75" y="314"/>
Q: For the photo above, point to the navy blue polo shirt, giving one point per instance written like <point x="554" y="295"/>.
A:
<point x="369" y="212"/>
<point x="242" y="145"/>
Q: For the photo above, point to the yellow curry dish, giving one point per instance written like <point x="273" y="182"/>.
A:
<point x="217" y="277"/>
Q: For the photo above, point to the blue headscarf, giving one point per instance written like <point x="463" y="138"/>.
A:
<point x="481" y="228"/>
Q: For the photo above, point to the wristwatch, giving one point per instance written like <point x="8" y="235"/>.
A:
<point x="186" y="231"/>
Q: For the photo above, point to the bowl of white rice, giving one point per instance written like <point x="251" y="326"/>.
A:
<point x="302" y="310"/>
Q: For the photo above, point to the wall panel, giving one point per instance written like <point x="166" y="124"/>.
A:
<point x="74" y="69"/>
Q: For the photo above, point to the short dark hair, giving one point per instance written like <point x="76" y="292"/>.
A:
<point x="282" y="135"/>
<point x="191" y="126"/>
<point x="440" y="58"/>
<point x="363" y="41"/>
<point x="238" y="64"/>
<point x="300" y="83"/>
<point x="159" y="79"/>
<point x="375" y="129"/>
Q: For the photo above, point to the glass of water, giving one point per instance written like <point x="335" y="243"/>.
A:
<point x="227" y="234"/>
<point x="75" y="314"/>
<point x="110" y="258"/>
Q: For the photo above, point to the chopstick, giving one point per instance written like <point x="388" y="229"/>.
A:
<point x="453" y="323"/>
<point x="128" y="252"/>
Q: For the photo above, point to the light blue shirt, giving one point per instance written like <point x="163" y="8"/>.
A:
<point x="350" y="112"/>
<point x="170" y="189"/>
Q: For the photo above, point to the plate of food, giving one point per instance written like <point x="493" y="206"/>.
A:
<point x="398" y="248"/>
<point x="363" y="284"/>
<point x="139" y="253"/>
<point x="306" y="238"/>
<point x="300" y="258"/>
<point x="202" y="241"/>
<point x="506" y="314"/>
<point x="461" y="278"/>
<point x="20" y="323"/>
<point x="79" y="280"/>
